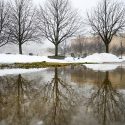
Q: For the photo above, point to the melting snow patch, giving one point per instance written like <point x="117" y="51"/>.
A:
<point x="4" y="72"/>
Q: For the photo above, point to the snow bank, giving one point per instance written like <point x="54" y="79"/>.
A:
<point x="4" y="72"/>
<point x="10" y="58"/>
<point x="95" y="58"/>
<point x="102" y="58"/>
<point x="102" y="67"/>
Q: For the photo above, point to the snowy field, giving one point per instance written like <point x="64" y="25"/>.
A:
<point x="112" y="62"/>
<point x="95" y="58"/>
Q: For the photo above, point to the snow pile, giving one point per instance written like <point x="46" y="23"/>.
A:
<point x="102" y="67"/>
<point x="102" y="58"/>
<point x="96" y="58"/>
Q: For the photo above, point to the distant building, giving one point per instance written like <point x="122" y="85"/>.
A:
<point x="94" y="42"/>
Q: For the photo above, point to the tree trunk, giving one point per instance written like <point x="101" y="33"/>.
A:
<point x="20" y="49"/>
<point x="107" y="48"/>
<point x="56" y="50"/>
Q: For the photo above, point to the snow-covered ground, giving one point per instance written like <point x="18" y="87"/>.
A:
<point x="11" y="58"/>
<point x="95" y="58"/>
<point x="106" y="62"/>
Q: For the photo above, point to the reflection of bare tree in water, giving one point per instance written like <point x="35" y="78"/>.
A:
<point x="23" y="92"/>
<point x="15" y="92"/>
<point x="61" y="99"/>
<point x="106" y="103"/>
<point x="22" y="101"/>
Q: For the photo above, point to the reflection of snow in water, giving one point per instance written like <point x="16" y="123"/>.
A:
<point x="4" y="72"/>
<point x="122" y="91"/>
<point x="85" y="90"/>
<point x="102" y="67"/>
<point x="76" y="94"/>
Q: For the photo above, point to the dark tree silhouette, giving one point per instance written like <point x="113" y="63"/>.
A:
<point x="22" y="22"/>
<point x="107" y="20"/>
<point x="4" y="22"/>
<point x="58" y="22"/>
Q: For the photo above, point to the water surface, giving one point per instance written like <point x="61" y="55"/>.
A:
<point x="63" y="96"/>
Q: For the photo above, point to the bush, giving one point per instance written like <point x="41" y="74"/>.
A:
<point x="56" y="57"/>
<point x="31" y="54"/>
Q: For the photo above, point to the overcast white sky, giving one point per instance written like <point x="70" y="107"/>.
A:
<point x="81" y="5"/>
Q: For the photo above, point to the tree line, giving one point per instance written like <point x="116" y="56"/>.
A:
<point x="57" y="21"/>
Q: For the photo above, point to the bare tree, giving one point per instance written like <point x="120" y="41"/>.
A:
<point x="87" y="45"/>
<point x="4" y="21"/>
<point x="107" y="19"/>
<point x="58" y="22"/>
<point x="79" y="46"/>
<point x="22" y="26"/>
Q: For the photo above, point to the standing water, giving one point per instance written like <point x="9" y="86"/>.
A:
<point x="63" y="96"/>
